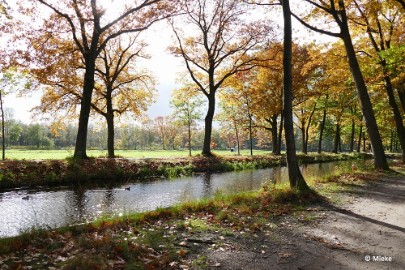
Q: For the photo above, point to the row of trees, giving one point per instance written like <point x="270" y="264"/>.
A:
<point x="172" y="133"/>
<point x="204" y="52"/>
<point x="229" y="50"/>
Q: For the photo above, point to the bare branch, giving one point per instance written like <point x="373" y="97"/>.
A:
<point x="260" y="3"/>
<point x="72" y="26"/>
<point x="187" y="59"/>
<point x="313" y="28"/>
<point x="129" y="12"/>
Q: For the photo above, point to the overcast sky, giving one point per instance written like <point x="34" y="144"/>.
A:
<point x="162" y="64"/>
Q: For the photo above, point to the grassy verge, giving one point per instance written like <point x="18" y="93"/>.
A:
<point x="40" y="154"/>
<point x="170" y="238"/>
<point x="107" y="172"/>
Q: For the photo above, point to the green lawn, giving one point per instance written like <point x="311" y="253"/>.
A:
<point x="61" y="154"/>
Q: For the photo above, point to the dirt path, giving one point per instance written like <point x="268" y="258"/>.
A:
<point x="370" y="224"/>
<point x="366" y="230"/>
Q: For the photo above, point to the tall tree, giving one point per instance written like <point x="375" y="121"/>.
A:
<point x="231" y="124"/>
<point x="11" y="81"/>
<point x="380" y="23"/>
<point x="186" y="106"/>
<point x="337" y="12"/>
<point x="3" y="14"/>
<point x="121" y="87"/>
<point x="219" y="48"/>
<point x="242" y="96"/>
<point x="335" y="87"/>
<point x="166" y="130"/>
<point x="267" y="94"/>
<point x="85" y="25"/>
<point x="324" y="102"/>
<point x="297" y="181"/>
<point x="307" y="89"/>
<point x="3" y="133"/>
<point x="395" y="58"/>
<point x="304" y="115"/>
<point x="124" y="88"/>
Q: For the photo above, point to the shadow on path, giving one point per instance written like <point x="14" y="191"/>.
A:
<point x="359" y="234"/>
<point x="367" y="219"/>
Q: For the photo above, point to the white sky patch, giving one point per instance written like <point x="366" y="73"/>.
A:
<point x="113" y="8"/>
<point x="21" y="106"/>
<point x="162" y="64"/>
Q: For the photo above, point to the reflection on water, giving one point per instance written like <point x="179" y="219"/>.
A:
<point x="53" y="208"/>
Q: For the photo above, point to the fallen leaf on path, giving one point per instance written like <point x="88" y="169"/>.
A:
<point x="284" y="254"/>
<point x="182" y="252"/>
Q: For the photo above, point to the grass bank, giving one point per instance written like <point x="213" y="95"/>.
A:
<point x="172" y="238"/>
<point x="41" y="154"/>
<point x="108" y="172"/>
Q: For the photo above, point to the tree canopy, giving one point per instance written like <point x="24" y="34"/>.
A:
<point x="88" y="58"/>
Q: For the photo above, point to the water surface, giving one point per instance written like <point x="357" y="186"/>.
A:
<point x="52" y="208"/>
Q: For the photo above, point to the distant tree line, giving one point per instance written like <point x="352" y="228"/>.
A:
<point x="169" y="133"/>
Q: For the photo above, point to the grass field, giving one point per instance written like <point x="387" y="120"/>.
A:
<point x="62" y="154"/>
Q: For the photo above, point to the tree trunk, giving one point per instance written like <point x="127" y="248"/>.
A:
<point x="208" y="125"/>
<point x="380" y="161"/>
<point x="359" y="141"/>
<point x="304" y="143"/>
<point x="296" y="179"/>
<point x="392" y="141"/>
<point x="304" y="140"/>
<point x="173" y="144"/>
<point x="307" y="128"/>
<point x="3" y="133"/>
<point x="396" y="145"/>
<point x="250" y="136"/>
<point x="81" y="139"/>
<point x="189" y="137"/>
<point x="364" y="143"/>
<point x="337" y="139"/>
<point x="110" y="135"/>
<point x="163" y="142"/>
<point x="237" y="135"/>
<point x="401" y="94"/>
<point x="321" y="131"/>
<point x="352" y="137"/>
<point x="110" y="123"/>
<point x="397" y="114"/>
<point x="280" y="134"/>
<point x="274" y="136"/>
